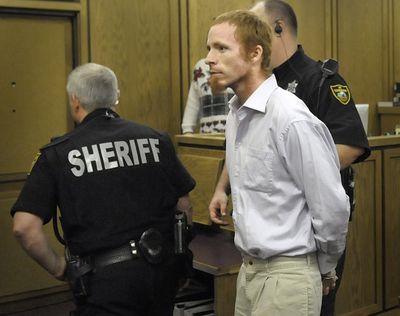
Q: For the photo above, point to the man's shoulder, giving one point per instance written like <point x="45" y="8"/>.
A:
<point x="143" y="128"/>
<point x="56" y="140"/>
<point x="286" y="95"/>
<point x="289" y="102"/>
<point x="314" y="70"/>
<point x="311" y="72"/>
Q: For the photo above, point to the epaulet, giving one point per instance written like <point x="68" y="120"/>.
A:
<point x="55" y="141"/>
<point x="329" y="67"/>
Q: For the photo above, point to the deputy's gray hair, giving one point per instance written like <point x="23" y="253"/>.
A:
<point x="95" y="86"/>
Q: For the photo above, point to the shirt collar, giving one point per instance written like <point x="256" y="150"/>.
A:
<point x="106" y="112"/>
<point x="259" y="98"/>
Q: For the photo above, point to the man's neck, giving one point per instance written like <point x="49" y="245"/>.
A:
<point x="288" y="49"/>
<point x="80" y="116"/>
<point x="246" y="88"/>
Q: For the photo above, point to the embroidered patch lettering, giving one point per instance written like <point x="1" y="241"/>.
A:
<point x="342" y="93"/>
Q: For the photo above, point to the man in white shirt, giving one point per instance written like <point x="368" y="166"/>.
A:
<point x="205" y="103"/>
<point x="290" y="209"/>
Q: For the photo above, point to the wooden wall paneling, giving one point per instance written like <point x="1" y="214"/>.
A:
<point x="360" y="292"/>
<point x="314" y="29"/>
<point x="82" y="35"/>
<point x="392" y="226"/>
<point x="225" y="296"/>
<point x="54" y="5"/>
<point x="396" y="40"/>
<point x="363" y="51"/>
<point x="176" y="71"/>
<point x="334" y="28"/>
<point x="134" y="39"/>
<point x="389" y="41"/>
<point x="184" y="57"/>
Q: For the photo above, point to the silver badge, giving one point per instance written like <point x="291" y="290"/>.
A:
<point x="292" y="86"/>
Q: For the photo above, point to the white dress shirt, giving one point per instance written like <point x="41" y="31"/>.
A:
<point x="284" y="173"/>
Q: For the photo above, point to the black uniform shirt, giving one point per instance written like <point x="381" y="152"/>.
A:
<point x="332" y="103"/>
<point x="112" y="179"/>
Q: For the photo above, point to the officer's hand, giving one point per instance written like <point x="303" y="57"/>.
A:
<point x="329" y="282"/>
<point x="217" y="207"/>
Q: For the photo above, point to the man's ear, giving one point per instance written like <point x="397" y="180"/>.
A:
<point x="75" y="103"/>
<point x="118" y="95"/>
<point x="256" y="54"/>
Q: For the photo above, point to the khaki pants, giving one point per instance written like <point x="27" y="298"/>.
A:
<point x="279" y="286"/>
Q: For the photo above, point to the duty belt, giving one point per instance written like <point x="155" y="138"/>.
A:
<point x="120" y="254"/>
<point x="150" y="246"/>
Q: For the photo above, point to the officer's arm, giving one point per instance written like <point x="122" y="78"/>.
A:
<point x="185" y="206"/>
<point x="347" y="154"/>
<point x="28" y="230"/>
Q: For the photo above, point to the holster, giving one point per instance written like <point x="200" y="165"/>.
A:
<point x="184" y="264"/>
<point x="77" y="273"/>
<point x="184" y="234"/>
<point x="152" y="246"/>
<point x="348" y="183"/>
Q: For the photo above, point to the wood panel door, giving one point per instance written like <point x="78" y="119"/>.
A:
<point x="34" y="69"/>
<point x="36" y="58"/>
<point x="391" y="226"/>
<point x="361" y="290"/>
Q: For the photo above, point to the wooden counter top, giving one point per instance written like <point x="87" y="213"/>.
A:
<point x="217" y="140"/>
<point x="215" y="253"/>
<point x="383" y="141"/>
<point x="388" y="110"/>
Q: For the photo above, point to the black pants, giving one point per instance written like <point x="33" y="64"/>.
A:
<point x="134" y="288"/>
<point x="328" y="301"/>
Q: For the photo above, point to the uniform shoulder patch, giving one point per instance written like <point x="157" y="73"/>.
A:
<point x="34" y="161"/>
<point x="341" y="92"/>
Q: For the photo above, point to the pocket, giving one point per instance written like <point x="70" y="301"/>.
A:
<point x="291" y="294"/>
<point x="258" y="171"/>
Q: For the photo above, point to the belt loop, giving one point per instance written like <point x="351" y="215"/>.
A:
<point x="308" y="260"/>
